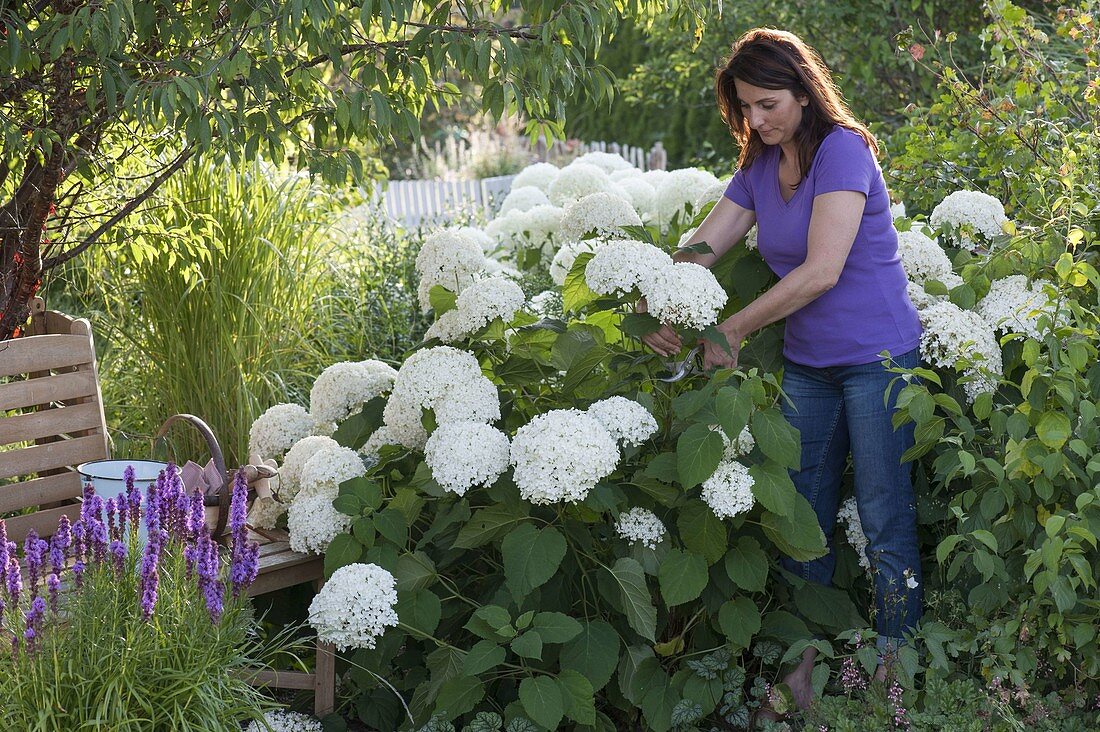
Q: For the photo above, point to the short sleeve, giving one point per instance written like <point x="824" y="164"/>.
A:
<point x="739" y="191"/>
<point x="844" y="163"/>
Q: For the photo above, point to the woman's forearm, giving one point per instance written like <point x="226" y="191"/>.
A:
<point x="799" y="288"/>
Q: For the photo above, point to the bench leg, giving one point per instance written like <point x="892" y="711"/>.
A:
<point x="324" y="695"/>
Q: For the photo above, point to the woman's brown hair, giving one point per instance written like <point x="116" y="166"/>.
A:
<point x="775" y="59"/>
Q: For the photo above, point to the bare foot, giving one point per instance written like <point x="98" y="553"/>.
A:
<point x="800" y="680"/>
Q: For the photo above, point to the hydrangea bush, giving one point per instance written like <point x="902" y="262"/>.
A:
<point x="553" y="535"/>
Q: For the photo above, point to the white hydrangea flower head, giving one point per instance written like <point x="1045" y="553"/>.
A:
<point x="523" y="198"/>
<point x="450" y="259"/>
<point x="641" y="525"/>
<point x="655" y="176"/>
<point x="641" y="195"/>
<point x="609" y="162"/>
<point x="462" y="455"/>
<point x="619" y="266"/>
<point x="923" y="258"/>
<point x="712" y="194"/>
<point x="966" y="212"/>
<point x="539" y="175"/>
<point x="284" y="721"/>
<point x="378" y="439"/>
<point x="853" y="529"/>
<point x="728" y="491"/>
<point x="496" y="268"/>
<point x="536" y="228"/>
<point x="627" y="420"/>
<point x="678" y="190"/>
<point x="563" y="261"/>
<point x="548" y="304"/>
<point x="561" y="455"/>
<point x="355" y="606"/>
<point x="446" y="380"/>
<point x="897" y="210"/>
<point x="328" y="468"/>
<point x="740" y="447"/>
<point x="602" y="212"/>
<point x="477" y="306"/>
<point x="290" y="473"/>
<point x="631" y="173"/>
<point x="950" y="333"/>
<point x="478" y="235"/>
<point x="920" y="298"/>
<point x="278" y="429"/>
<point x="313" y="523"/>
<point x="577" y="180"/>
<point x="344" y="387"/>
<point x="684" y="294"/>
<point x="1014" y="306"/>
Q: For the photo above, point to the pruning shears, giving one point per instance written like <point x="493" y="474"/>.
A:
<point x="692" y="363"/>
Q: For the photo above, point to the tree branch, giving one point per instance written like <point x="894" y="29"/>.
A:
<point x="123" y="212"/>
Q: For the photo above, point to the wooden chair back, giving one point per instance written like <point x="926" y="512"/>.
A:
<point x="51" y="420"/>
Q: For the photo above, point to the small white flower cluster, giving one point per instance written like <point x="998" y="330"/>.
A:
<point x="290" y="473"/>
<point x="561" y="455"/>
<point x="682" y="293"/>
<point x="355" y="606"/>
<point x="312" y="522"/>
<point x="1014" y="306"/>
<point x="477" y="306"/>
<point x="577" y="180"/>
<point x="924" y="259"/>
<point x="853" y="529"/>
<point x="950" y="333"/>
<point x="628" y="421"/>
<point x="548" y="304"/>
<point x="567" y="256"/>
<point x="444" y="379"/>
<point x="345" y="387"/>
<point x="601" y="212"/>
<point x="465" y="454"/>
<point x="284" y="721"/>
<point x="920" y="298"/>
<point x="640" y="193"/>
<point x="539" y="175"/>
<point x="448" y="258"/>
<point x="277" y="429"/>
<point x="641" y="525"/>
<point x="621" y="265"/>
<point x="680" y="189"/>
<point x="964" y="213"/>
<point x="728" y="491"/>
<point x="897" y="210"/>
<point x="523" y="198"/>
<point x="740" y="447"/>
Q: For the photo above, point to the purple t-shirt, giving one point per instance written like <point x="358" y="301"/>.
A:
<point x="868" y="310"/>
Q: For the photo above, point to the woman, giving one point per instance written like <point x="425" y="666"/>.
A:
<point x="809" y="180"/>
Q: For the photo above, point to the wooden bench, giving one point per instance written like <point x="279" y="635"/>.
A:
<point x="51" y="420"/>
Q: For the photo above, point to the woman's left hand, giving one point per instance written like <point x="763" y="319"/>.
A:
<point x="715" y="356"/>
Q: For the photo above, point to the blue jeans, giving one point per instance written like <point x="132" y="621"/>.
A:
<point x="841" y="409"/>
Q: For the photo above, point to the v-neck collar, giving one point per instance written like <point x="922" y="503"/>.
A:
<point x="777" y="187"/>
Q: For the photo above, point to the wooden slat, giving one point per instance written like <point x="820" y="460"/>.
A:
<point x="56" y="388"/>
<point x="43" y="522"/>
<point x="277" y="576"/>
<point x="282" y="679"/>
<point x="38" y="491"/>
<point x="53" y="455"/>
<point x="39" y="353"/>
<point x="49" y="423"/>
<point x="324" y="693"/>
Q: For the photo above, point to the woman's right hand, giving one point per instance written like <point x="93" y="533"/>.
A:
<point x="665" y="341"/>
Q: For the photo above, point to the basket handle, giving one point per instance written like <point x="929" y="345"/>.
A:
<point x="219" y="462"/>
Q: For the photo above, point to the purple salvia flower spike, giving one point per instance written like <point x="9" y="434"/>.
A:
<point x="112" y="525"/>
<point x="14" y="581"/>
<point x="53" y="588"/>
<point x="196" y="519"/>
<point x="34" y="618"/>
<point x="34" y="560"/>
<point x="78" y="573"/>
<point x="118" y="556"/>
<point x="60" y="543"/>
<point x="123" y="516"/>
<point x="152" y="506"/>
<point x="150" y="574"/>
<point x="79" y="545"/>
<point x="3" y="549"/>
